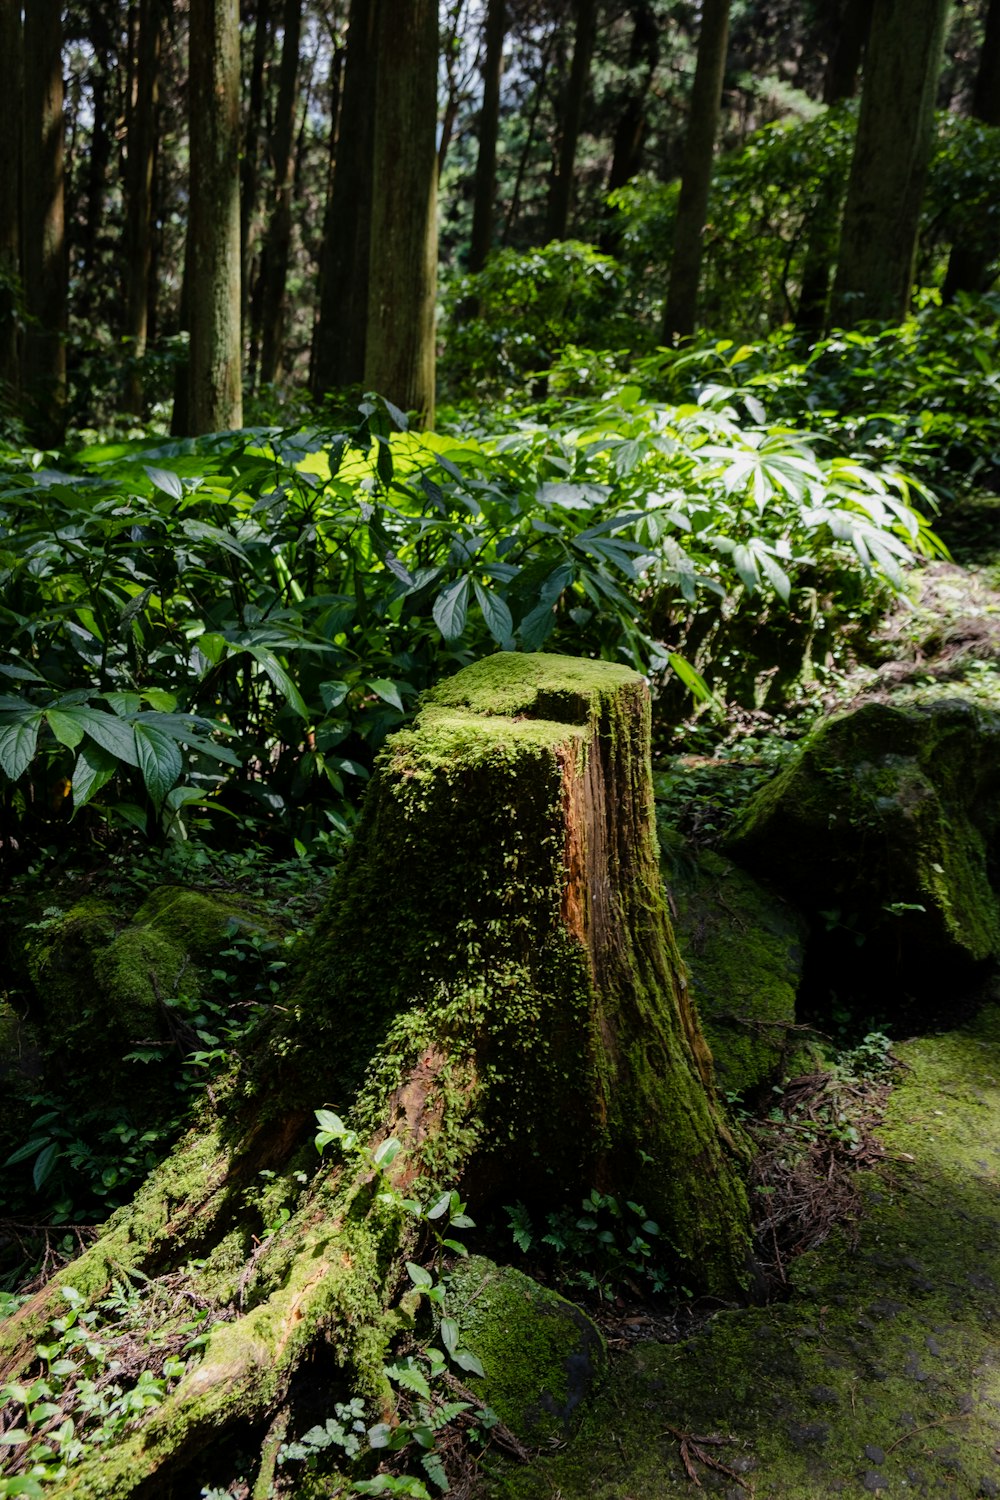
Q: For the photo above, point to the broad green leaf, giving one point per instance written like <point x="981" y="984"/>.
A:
<point x="65" y="726"/>
<point x="466" y="1360"/>
<point x="449" y="1334"/>
<point x="163" y="480"/>
<point x="383" y="688"/>
<point x="418" y="1275"/>
<point x="440" y="1207"/>
<point x="496" y="614"/>
<point x="280" y="678"/>
<point x="212" y="646"/>
<point x="112" y="734"/>
<point x="46" y="1160"/>
<point x="159" y="760"/>
<point x="94" y="768"/>
<point x="386" y="1152"/>
<point x="17" y="744"/>
<point x="451" y="607"/>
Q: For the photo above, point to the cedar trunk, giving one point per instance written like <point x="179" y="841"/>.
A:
<point x="494" y="982"/>
<point x="274" y="262"/>
<point x="44" y="262"/>
<point x="489" y="119"/>
<point x="399" y="341"/>
<point x="144" y="95"/>
<point x="969" y="264"/>
<point x="889" y="166"/>
<point x="561" y="188"/>
<point x="10" y="198"/>
<point x="696" y="178"/>
<point x="338" y="355"/>
<point x="215" y="399"/>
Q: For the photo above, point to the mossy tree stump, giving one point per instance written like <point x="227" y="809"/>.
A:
<point x="500" y="945"/>
<point x="495" y="983"/>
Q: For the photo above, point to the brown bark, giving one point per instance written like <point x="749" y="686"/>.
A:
<point x="630" y="132"/>
<point x="399" y="338"/>
<point x="561" y="186"/>
<point x="853" y="23"/>
<point x="484" y="189"/>
<point x="274" y="260"/>
<point x="680" y="315"/>
<point x="341" y="328"/>
<point x="251" y="156"/>
<point x="215" y="396"/>
<point x="45" y="266"/>
<point x="888" y="169"/>
<point x="968" y="264"/>
<point x="141" y="123"/>
<point x="10" y="199"/>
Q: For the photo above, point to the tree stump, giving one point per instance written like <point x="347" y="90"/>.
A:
<point x="494" y="983"/>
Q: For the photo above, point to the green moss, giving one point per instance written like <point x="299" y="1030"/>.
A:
<point x="744" y="947"/>
<point x="557" y="1047"/>
<point x="878" y="1375"/>
<point x="542" y="1356"/>
<point x="886" y="817"/>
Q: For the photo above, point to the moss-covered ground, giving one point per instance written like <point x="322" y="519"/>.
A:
<point x="879" y="1375"/>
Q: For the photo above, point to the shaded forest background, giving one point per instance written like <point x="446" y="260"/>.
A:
<point x="561" y="132"/>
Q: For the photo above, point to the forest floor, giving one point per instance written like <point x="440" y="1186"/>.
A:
<point x="880" y="1373"/>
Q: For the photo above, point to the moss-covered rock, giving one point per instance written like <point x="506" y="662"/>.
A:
<point x="885" y="829"/>
<point x="879" y="1375"/>
<point x="744" y="948"/>
<point x="107" y="982"/>
<point x="542" y="1355"/>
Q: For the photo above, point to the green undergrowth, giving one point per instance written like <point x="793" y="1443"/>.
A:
<point x="878" y="1375"/>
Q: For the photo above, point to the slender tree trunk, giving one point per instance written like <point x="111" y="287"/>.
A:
<point x="484" y="190"/>
<point x="10" y="199"/>
<point x="630" y="132"/>
<point x="274" y="262"/>
<point x="215" y="398"/>
<point x="847" y="49"/>
<point x="341" y="329"/>
<point x="888" y="169"/>
<point x="251" y="156"/>
<point x="399" y="343"/>
<point x="696" y="177"/>
<point x="561" y="187"/>
<point x="969" y="264"/>
<point x="45" y="258"/>
<point x="144" y="95"/>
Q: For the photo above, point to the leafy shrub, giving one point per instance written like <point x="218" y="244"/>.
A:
<point x="509" y="322"/>
<point x="232" y="626"/>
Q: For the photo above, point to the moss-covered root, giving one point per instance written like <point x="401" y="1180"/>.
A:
<point x="503" y="909"/>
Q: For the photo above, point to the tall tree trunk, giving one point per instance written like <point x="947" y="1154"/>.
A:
<point x="274" y="262"/>
<point x="696" y="177"/>
<point x="215" y="397"/>
<point x="630" y="132"/>
<point x="846" y="51"/>
<point x="10" y="199"/>
<point x="45" y="259"/>
<point x="888" y="169"/>
<point x="342" y="325"/>
<point x="251" y="157"/>
<point x="399" y="341"/>
<point x="484" y="190"/>
<point x="141" y="124"/>
<point x="561" y="186"/>
<point x="968" y="264"/>
<point x="494" y="984"/>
